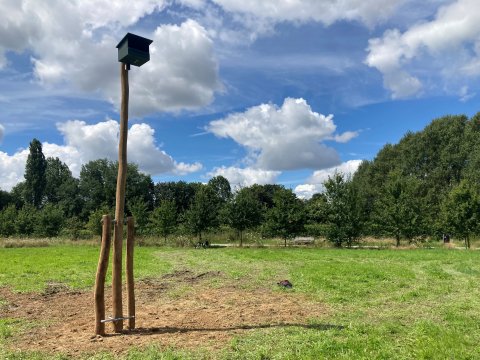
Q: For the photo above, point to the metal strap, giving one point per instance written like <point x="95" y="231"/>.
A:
<point x="117" y="319"/>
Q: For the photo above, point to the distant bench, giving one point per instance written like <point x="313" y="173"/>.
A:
<point x="303" y="240"/>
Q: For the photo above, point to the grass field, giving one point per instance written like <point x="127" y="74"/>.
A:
<point x="382" y="304"/>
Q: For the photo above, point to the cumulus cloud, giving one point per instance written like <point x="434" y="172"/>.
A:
<point x="12" y="168"/>
<point x="83" y="143"/>
<point x="101" y="141"/>
<point x="181" y="74"/>
<point x="182" y="168"/>
<point x="449" y="43"/>
<point x="282" y="138"/>
<point x="245" y="176"/>
<point x="314" y="184"/>
<point x="74" y="43"/>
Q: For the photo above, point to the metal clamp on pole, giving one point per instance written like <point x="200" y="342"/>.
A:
<point x="110" y="319"/>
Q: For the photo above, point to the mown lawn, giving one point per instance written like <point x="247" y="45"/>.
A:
<point x="384" y="304"/>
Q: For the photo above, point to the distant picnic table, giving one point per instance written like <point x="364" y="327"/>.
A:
<point x="303" y="240"/>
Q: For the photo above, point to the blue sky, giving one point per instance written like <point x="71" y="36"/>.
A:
<point x="271" y="91"/>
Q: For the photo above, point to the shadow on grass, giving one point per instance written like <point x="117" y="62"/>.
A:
<point x="172" y="330"/>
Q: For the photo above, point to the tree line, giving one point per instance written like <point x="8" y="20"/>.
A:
<point x="51" y="202"/>
<point x="422" y="187"/>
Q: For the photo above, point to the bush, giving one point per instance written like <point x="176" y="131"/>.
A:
<point x="50" y="221"/>
<point x="7" y="221"/>
<point x="26" y="220"/>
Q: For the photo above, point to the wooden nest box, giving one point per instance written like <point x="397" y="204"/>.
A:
<point x="134" y="50"/>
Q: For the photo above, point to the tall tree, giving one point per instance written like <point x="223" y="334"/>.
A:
<point x="221" y="187"/>
<point x="286" y="218"/>
<point x="35" y="177"/>
<point x="344" y="212"/>
<point x="244" y="212"/>
<point x="203" y="212"/>
<point x="398" y="210"/>
<point x="461" y="211"/>
<point x="138" y="208"/>
<point x="163" y="219"/>
<point x="62" y="188"/>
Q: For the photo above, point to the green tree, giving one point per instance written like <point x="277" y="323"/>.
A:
<point x="398" y="209"/>
<point x="163" y="219"/>
<point x="17" y="194"/>
<point x="461" y="211"/>
<point x="316" y="208"/>
<point x="344" y="213"/>
<point x="244" y="212"/>
<point x="98" y="181"/>
<point x="5" y="199"/>
<point x="97" y="185"/>
<point x="180" y="192"/>
<point x="73" y="227"/>
<point x="286" y="218"/>
<point x="221" y="187"/>
<point x="139" y="210"/>
<point x="7" y="220"/>
<point x="26" y="220"/>
<point x="94" y="223"/>
<point x="35" y="178"/>
<point x="203" y="212"/>
<point x="62" y="188"/>
<point x="50" y="221"/>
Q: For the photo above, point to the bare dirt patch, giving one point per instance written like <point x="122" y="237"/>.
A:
<point x="63" y="320"/>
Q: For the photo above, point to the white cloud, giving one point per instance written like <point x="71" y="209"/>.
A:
<point x="306" y="191"/>
<point x="346" y="136"/>
<point x="196" y="4"/>
<point x="314" y="184"/>
<point x="101" y="141"/>
<point x="465" y="94"/>
<point x="448" y="43"/>
<point x="327" y="12"/>
<point x="12" y="168"/>
<point x="182" y="168"/>
<point x="245" y="176"/>
<point x="83" y="143"/>
<point x="282" y="138"/>
<point x="181" y="74"/>
<point x="91" y="141"/>
<point x="73" y="43"/>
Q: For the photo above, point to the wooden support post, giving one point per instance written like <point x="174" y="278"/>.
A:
<point x="129" y="271"/>
<point x="99" y="294"/>
<point x="120" y="204"/>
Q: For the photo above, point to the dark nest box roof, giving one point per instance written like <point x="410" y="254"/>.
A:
<point x="133" y="50"/>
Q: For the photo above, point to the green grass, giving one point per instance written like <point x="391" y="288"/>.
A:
<point x="384" y="304"/>
<point x="31" y="269"/>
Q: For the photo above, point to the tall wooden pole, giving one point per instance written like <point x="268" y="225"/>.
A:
<point x="129" y="272"/>
<point x="120" y="204"/>
<point x="100" y="278"/>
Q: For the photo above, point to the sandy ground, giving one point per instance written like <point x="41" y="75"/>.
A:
<point x="199" y="316"/>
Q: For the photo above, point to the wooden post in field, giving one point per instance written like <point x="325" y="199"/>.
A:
<point x="129" y="271"/>
<point x="120" y="205"/>
<point x="132" y="50"/>
<point x="100" y="278"/>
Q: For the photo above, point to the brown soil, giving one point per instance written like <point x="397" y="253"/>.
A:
<point x="197" y="316"/>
